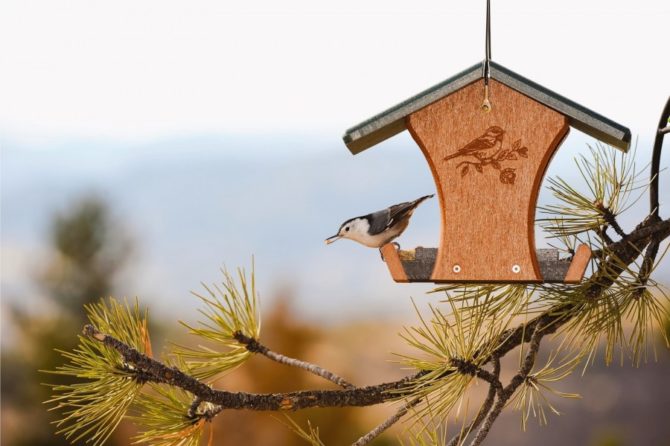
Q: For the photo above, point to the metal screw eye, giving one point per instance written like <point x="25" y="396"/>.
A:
<point x="516" y="269"/>
<point x="457" y="268"/>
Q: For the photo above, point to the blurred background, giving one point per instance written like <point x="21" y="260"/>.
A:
<point x="146" y="145"/>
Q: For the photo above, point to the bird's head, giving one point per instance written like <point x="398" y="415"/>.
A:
<point x="496" y="132"/>
<point x="353" y="229"/>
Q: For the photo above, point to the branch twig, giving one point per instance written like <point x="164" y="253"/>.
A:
<point x="656" y="158"/>
<point x="649" y="227"/>
<point x="469" y="368"/>
<point x="647" y="264"/>
<point x="256" y="347"/>
<point x="505" y="394"/>
<point x="646" y="229"/>
<point x="612" y="221"/>
<point x="484" y="410"/>
<point x="390" y="421"/>
<point x="158" y="372"/>
<point x="193" y="408"/>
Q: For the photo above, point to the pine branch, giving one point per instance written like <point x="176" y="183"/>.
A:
<point x="208" y="414"/>
<point x="256" y="347"/>
<point x="494" y="387"/>
<point x="506" y="393"/>
<point x="644" y="230"/>
<point x="649" y="258"/>
<point x="626" y="251"/>
<point x="623" y="253"/>
<point x="648" y="264"/>
<point x="192" y="410"/>
<point x="649" y="227"/>
<point x="468" y="368"/>
<point x="663" y="129"/>
<point x="161" y="373"/>
<point x="611" y="219"/>
<point x="144" y="368"/>
<point x="602" y="233"/>
<point x="390" y="421"/>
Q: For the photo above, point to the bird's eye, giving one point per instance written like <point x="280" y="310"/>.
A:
<point x="346" y="228"/>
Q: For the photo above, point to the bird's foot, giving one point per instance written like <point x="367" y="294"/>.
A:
<point x="397" y="246"/>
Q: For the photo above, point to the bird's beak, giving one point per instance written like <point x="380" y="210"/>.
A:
<point x="332" y="239"/>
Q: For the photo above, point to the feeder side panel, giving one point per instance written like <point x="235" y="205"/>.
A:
<point x="488" y="168"/>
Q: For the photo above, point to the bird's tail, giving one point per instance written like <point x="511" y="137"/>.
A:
<point x="420" y="200"/>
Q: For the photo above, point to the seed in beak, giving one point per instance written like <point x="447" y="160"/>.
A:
<point x="332" y="239"/>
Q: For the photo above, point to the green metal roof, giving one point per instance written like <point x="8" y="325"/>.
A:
<point x="392" y="121"/>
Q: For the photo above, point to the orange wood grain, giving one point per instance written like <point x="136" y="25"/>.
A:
<point x="578" y="265"/>
<point x="394" y="263"/>
<point x="488" y="210"/>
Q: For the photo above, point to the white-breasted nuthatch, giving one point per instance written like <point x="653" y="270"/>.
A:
<point x="379" y="228"/>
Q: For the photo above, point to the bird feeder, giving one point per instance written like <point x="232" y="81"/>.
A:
<point x="488" y="135"/>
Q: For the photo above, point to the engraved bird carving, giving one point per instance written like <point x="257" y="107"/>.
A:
<point x="492" y="137"/>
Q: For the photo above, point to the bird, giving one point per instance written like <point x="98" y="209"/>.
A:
<point x="492" y="136"/>
<point x="378" y="228"/>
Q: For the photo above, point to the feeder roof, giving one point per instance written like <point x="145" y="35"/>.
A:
<point x="392" y="121"/>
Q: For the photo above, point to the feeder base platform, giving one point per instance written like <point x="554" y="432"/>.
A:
<point x="417" y="265"/>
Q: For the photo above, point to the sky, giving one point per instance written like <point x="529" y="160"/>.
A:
<point x="145" y="70"/>
<point x="122" y="97"/>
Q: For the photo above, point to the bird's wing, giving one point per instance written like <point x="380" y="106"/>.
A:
<point x="379" y="221"/>
<point x="473" y="146"/>
<point x="399" y="211"/>
<point x="481" y="143"/>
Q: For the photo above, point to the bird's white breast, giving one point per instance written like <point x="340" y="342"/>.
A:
<point x="359" y="233"/>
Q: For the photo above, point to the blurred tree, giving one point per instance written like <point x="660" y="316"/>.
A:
<point x="88" y="250"/>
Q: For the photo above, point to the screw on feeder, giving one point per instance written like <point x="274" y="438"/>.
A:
<point x="516" y="269"/>
<point x="486" y="104"/>
<point x="457" y="268"/>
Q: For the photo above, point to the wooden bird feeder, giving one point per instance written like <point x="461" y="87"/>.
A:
<point x="488" y="167"/>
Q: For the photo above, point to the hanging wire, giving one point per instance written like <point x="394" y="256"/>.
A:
<point x="486" y="105"/>
<point x="487" y="54"/>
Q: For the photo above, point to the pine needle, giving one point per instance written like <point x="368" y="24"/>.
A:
<point x="229" y="308"/>
<point x="532" y="397"/>
<point x="93" y="407"/>
<point x="309" y="435"/>
<point x="468" y="334"/>
<point x="610" y="181"/>
<point x="162" y="418"/>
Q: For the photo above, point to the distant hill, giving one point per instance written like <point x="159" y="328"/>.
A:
<point x="195" y="204"/>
